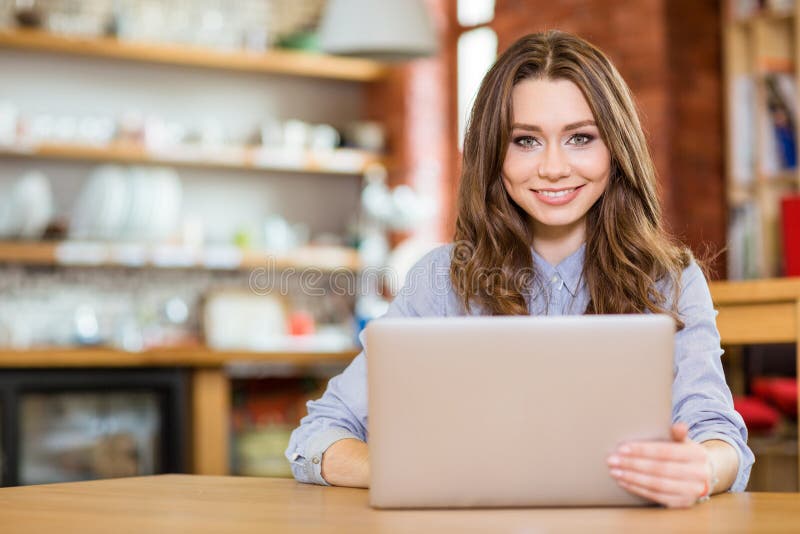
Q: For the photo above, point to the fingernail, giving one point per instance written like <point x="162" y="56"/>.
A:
<point x="616" y="473"/>
<point x="614" y="460"/>
<point x="625" y="449"/>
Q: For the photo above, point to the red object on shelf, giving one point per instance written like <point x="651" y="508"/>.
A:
<point x="758" y="415"/>
<point x="781" y="392"/>
<point x="790" y="227"/>
<point x="301" y="323"/>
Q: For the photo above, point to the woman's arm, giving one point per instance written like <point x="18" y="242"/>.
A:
<point x="346" y="463"/>
<point x="340" y="414"/>
<point x="725" y="462"/>
<point x="675" y="474"/>
<point x="335" y="429"/>
<point x="709" y="437"/>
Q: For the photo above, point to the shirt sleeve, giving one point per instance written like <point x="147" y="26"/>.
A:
<point x="700" y="396"/>
<point x="341" y="412"/>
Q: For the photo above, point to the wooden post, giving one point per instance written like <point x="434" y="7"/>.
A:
<point x="211" y="407"/>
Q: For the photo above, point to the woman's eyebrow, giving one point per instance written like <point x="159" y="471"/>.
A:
<point x="535" y="128"/>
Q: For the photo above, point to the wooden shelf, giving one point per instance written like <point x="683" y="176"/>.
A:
<point x="188" y="357"/>
<point x="765" y="16"/>
<point x="273" y="62"/>
<point x="740" y="193"/>
<point x="782" y="179"/>
<point x="335" y="162"/>
<point x="98" y="254"/>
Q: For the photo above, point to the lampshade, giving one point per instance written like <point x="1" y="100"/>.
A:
<point x="388" y="30"/>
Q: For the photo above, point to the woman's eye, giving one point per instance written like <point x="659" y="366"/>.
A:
<point x="581" y="139"/>
<point x="526" y="141"/>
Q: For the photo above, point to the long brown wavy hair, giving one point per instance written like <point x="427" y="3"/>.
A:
<point x="627" y="252"/>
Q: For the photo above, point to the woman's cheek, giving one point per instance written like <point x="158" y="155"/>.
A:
<point x="592" y="164"/>
<point x="521" y="167"/>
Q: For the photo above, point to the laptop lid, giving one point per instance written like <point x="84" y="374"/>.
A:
<point x="512" y="411"/>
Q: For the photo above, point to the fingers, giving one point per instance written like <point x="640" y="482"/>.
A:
<point x="674" y="470"/>
<point x="670" y="473"/>
<point x="680" y="431"/>
<point x="669" y="486"/>
<point x="668" y="500"/>
<point x="664" y="451"/>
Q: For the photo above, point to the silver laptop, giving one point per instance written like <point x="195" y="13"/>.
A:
<point x="512" y="411"/>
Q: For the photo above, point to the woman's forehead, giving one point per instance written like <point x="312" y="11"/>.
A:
<point x="549" y="103"/>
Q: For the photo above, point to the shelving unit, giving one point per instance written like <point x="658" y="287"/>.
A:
<point x="340" y="161"/>
<point x="283" y="62"/>
<point x="98" y="254"/>
<point x="754" y="47"/>
<point x="210" y="401"/>
<point x="211" y="371"/>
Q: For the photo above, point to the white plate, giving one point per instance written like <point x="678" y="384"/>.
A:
<point x="141" y="204"/>
<point x="7" y="213"/>
<point x="165" y="220"/>
<point x="110" y="214"/>
<point x="86" y="210"/>
<point x="34" y="200"/>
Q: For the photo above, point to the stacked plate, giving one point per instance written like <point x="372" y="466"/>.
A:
<point x="131" y="204"/>
<point x="26" y="207"/>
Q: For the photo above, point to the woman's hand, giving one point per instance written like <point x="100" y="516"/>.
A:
<point x="672" y="474"/>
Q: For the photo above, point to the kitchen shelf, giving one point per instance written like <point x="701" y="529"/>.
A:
<point x="99" y="254"/>
<point x="285" y="62"/>
<point x="335" y="162"/>
<point x="189" y="357"/>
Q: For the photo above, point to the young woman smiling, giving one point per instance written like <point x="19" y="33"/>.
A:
<point x="558" y="214"/>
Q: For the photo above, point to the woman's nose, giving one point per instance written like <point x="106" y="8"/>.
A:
<point x="554" y="165"/>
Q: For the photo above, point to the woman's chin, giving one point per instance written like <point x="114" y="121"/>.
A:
<point x="557" y="224"/>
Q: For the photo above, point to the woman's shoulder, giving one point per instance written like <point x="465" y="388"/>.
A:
<point x="693" y="289"/>
<point x="431" y="270"/>
<point x="427" y="289"/>
<point x="690" y="275"/>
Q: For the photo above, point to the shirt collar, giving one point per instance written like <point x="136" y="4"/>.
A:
<point x="570" y="270"/>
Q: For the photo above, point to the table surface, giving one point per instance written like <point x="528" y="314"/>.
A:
<point x="200" y="504"/>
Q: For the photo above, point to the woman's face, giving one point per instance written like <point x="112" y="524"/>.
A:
<point x="556" y="165"/>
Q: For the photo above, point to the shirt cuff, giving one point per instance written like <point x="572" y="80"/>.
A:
<point x="743" y="472"/>
<point x="311" y="463"/>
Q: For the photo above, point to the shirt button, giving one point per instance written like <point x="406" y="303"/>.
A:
<point x="555" y="279"/>
<point x="315" y="459"/>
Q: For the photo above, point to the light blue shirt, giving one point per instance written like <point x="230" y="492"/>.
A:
<point x="700" y="396"/>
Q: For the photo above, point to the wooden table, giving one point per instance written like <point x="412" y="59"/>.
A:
<point x="207" y="504"/>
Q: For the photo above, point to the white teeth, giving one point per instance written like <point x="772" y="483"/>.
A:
<point x="556" y="194"/>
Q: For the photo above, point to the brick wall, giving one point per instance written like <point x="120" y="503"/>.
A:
<point x="699" y="210"/>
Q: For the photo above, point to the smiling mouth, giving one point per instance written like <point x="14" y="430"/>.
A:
<point x="556" y="193"/>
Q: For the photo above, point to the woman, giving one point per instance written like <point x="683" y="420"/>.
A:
<point x="558" y="214"/>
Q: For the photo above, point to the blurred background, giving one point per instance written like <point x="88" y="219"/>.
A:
<point x="202" y="202"/>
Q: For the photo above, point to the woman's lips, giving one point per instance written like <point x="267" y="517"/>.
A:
<point x="557" y="198"/>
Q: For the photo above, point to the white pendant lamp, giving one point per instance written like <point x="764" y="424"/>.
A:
<point x="388" y="30"/>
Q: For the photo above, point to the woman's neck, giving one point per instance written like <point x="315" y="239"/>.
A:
<point x="554" y="243"/>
